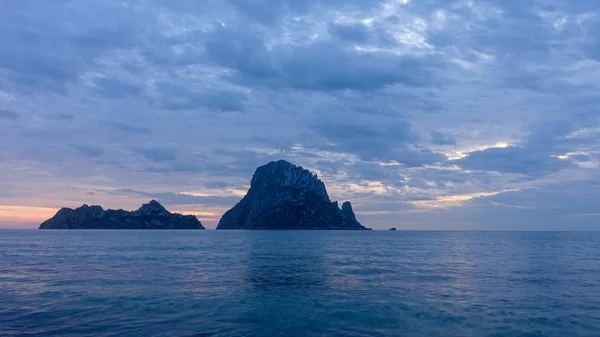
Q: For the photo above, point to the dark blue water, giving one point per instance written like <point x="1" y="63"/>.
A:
<point x="290" y="283"/>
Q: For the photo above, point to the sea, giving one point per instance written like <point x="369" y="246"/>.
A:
<point x="299" y="283"/>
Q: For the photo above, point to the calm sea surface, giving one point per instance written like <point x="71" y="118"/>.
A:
<point x="295" y="283"/>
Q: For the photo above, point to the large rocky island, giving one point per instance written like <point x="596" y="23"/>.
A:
<point x="285" y="196"/>
<point x="150" y="216"/>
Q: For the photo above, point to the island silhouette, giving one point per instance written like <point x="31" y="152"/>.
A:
<point x="285" y="196"/>
<point x="150" y="216"/>
<point x="281" y="196"/>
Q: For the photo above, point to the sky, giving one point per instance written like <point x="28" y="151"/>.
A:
<point x="426" y="114"/>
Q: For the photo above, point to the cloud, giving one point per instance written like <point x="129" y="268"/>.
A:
<point x="541" y="151"/>
<point x="264" y="11"/>
<point x="88" y="150"/>
<point x="557" y="205"/>
<point x="184" y="199"/>
<point x="173" y="167"/>
<point x="400" y="106"/>
<point x="49" y="56"/>
<point x="360" y="171"/>
<point x="321" y="65"/>
<point x="115" y="88"/>
<point x="440" y="138"/>
<point x="176" y="97"/>
<point x="391" y="141"/>
<point x="129" y="128"/>
<point x="156" y="154"/>
<point x="60" y="117"/>
<point x="513" y="159"/>
<point x="7" y="114"/>
<point x="216" y="184"/>
<point x="271" y="12"/>
<point x="356" y="32"/>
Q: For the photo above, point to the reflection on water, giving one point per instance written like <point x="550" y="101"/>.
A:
<point x="286" y="283"/>
<point x="290" y="265"/>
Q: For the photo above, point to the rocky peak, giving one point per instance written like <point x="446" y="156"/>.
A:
<point x="347" y="211"/>
<point x="84" y="211"/>
<point x="286" y="196"/>
<point x="86" y="207"/>
<point x="154" y="208"/>
<point x="278" y="174"/>
<point x="64" y="210"/>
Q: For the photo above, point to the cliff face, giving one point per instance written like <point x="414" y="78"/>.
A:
<point x="285" y="196"/>
<point x="150" y="216"/>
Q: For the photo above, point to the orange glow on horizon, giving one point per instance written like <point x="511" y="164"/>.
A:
<point x="25" y="214"/>
<point x="18" y="215"/>
<point x="202" y="216"/>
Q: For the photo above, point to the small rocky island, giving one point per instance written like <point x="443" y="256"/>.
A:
<point x="150" y="216"/>
<point x="285" y="196"/>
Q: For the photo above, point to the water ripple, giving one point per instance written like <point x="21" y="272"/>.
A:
<point x="180" y="283"/>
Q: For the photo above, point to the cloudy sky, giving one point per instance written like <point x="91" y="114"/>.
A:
<point x="426" y="114"/>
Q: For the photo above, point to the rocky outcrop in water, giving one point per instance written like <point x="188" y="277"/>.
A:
<point x="285" y="196"/>
<point x="150" y="216"/>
